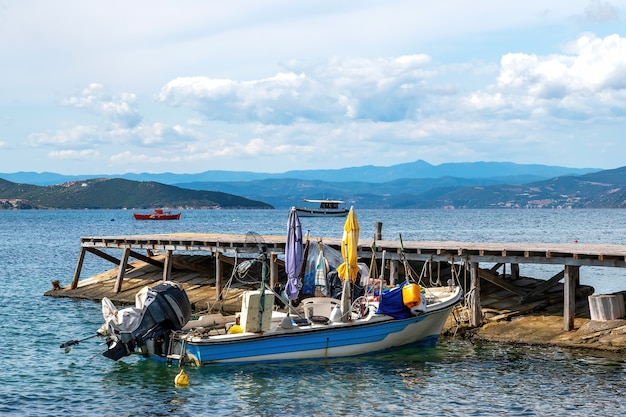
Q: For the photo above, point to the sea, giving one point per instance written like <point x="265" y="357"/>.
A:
<point x="458" y="377"/>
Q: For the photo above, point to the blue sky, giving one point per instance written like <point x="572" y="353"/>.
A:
<point x="110" y="87"/>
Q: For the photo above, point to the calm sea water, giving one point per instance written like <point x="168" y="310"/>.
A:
<point x="454" y="378"/>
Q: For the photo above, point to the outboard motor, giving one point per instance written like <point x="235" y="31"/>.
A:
<point x="161" y="310"/>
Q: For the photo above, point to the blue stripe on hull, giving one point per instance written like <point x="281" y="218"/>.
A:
<point x="323" y="341"/>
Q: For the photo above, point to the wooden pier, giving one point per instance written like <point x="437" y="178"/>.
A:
<point x="201" y="262"/>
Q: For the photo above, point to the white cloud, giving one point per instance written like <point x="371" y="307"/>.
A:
<point x="119" y="109"/>
<point x="311" y="84"/>
<point x="382" y="89"/>
<point x="85" y="154"/>
<point x="585" y="81"/>
<point x="78" y="137"/>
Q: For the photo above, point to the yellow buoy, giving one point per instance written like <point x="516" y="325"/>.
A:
<point x="181" y="379"/>
<point x="235" y="328"/>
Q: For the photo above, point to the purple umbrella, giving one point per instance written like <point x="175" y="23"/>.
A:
<point x="293" y="254"/>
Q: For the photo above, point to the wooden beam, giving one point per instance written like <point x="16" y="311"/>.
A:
<point x="273" y="269"/>
<point x="378" y="234"/>
<point x="146" y="259"/>
<point x="514" y="271"/>
<point x="121" y="271"/>
<point x="219" y="279"/>
<point x="167" y="266"/>
<point x="543" y="287"/>
<point x="475" y="309"/>
<point x="486" y="275"/>
<point x="572" y="275"/>
<point x="494" y="268"/>
<point x="79" y="267"/>
<point x="105" y="255"/>
<point x="393" y="273"/>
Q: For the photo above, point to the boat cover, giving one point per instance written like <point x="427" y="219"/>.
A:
<point x="391" y="304"/>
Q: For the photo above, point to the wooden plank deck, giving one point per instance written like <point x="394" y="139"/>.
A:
<point x="197" y="263"/>
<point x="575" y="254"/>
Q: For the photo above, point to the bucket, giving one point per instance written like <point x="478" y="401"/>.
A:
<point x="411" y="295"/>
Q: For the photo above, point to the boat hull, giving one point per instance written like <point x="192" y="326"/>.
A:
<point x="156" y="216"/>
<point x="306" y="212"/>
<point x="338" y="340"/>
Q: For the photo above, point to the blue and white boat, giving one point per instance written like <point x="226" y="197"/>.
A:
<point x="318" y="329"/>
<point x="355" y="320"/>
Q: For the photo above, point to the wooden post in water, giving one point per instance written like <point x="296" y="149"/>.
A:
<point x="167" y="266"/>
<point x="273" y="269"/>
<point x="122" y="269"/>
<point x="79" y="267"/>
<point x="572" y="276"/>
<point x="514" y="271"/>
<point x="393" y="273"/>
<point x="219" y="271"/>
<point x="475" y="309"/>
<point x="378" y="234"/>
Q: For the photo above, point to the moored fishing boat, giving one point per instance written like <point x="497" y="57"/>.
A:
<point x="323" y="208"/>
<point x="367" y="330"/>
<point x="157" y="214"/>
<point x="357" y="320"/>
<point x="261" y="334"/>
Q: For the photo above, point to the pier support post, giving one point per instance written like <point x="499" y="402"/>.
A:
<point x="219" y="271"/>
<point x="79" y="267"/>
<point x="393" y="273"/>
<point x="475" y="309"/>
<point x="273" y="269"/>
<point x="572" y="276"/>
<point x="167" y="266"/>
<point x="378" y="235"/>
<point x="514" y="271"/>
<point x="121" y="271"/>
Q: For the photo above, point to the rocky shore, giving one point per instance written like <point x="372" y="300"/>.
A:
<point x="547" y="331"/>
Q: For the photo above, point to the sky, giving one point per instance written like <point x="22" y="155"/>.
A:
<point x="187" y="86"/>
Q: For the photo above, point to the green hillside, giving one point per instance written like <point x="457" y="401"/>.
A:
<point x="116" y="193"/>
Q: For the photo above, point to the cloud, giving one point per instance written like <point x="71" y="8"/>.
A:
<point x="76" y="137"/>
<point x="383" y="89"/>
<point x="401" y="107"/>
<point x="585" y="81"/>
<point x="70" y="154"/>
<point x="601" y="11"/>
<point x="120" y="109"/>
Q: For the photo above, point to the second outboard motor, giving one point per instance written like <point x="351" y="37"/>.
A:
<point x="163" y="309"/>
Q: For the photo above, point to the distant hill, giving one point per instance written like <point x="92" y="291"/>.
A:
<point x="603" y="189"/>
<point x="104" y="193"/>
<point x="465" y="185"/>
<point x="499" y="172"/>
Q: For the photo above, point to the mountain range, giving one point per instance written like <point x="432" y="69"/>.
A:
<point x="412" y="185"/>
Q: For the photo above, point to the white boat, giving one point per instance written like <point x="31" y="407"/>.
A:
<point x="357" y="318"/>
<point x="323" y="208"/>
<point x="262" y="334"/>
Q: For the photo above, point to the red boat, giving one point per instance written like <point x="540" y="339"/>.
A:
<point x="157" y="214"/>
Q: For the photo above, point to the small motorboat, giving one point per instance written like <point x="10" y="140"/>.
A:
<point x="323" y="208"/>
<point x="157" y="214"/>
<point x="353" y="319"/>
<point x="159" y="326"/>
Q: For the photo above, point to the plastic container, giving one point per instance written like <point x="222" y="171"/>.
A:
<point x="411" y="295"/>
